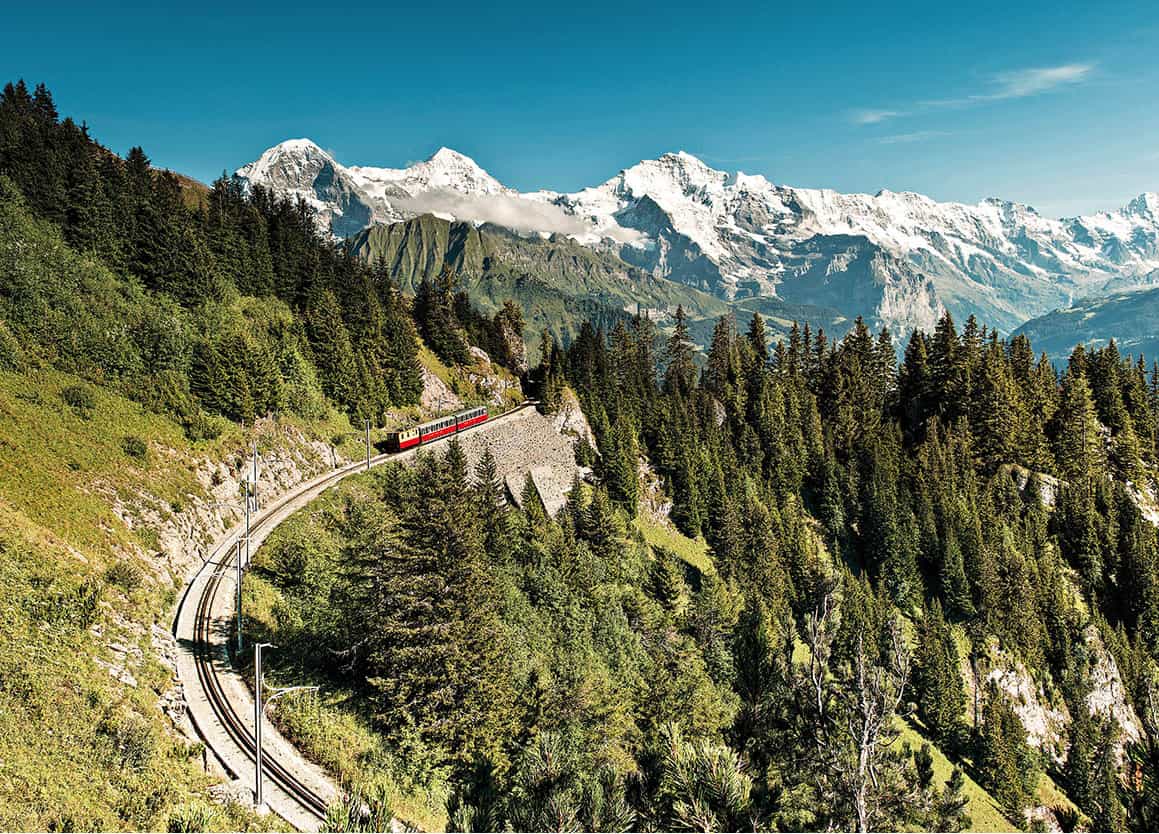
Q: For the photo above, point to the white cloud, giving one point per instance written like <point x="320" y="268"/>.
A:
<point x="872" y="117"/>
<point x="907" y="138"/>
<point x="516" y="213"/>
<point x="1030" y="82"/>
<point x="1003" y="85"/>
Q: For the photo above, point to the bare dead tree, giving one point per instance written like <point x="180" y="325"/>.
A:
<point x="853" y="710"/>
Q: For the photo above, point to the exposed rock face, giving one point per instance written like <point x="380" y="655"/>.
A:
<point x="286" y="458"/>
<point x="570" y="419"/>
<point x="437" y="397"/>
<point x="1108" y="696"/>
<point x="1043" y="713"/>
<point x="530" y="445"/>
<point x="494" y="385"/>
<point x="1045" y="723"/>
<point x="1048" y="485"/>
<point x="183" y="533"/>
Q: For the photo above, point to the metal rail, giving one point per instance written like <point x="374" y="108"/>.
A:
<point x="235" y="726"/>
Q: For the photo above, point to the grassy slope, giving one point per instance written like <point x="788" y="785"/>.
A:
<point x="60" y="472"/>
<point x="80" y="748"/>
<point x="983" y="810"/>
<point x="692" y="551"/>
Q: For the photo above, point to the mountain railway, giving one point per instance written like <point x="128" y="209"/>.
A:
<point x="400" y="441"/>
<point x="207" y="652"/>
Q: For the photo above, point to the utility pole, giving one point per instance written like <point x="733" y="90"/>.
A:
<point x="254" y="479"/>
<point x="367" y="445"/>
<point x="239" y="597"/>
<point x="258" y="803"/>
<point x="247" y="523"/>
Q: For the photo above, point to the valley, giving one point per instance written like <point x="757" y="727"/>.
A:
<point x="793" y="510"/>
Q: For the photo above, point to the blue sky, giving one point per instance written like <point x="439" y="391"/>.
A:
<point x="1052" y="103"/>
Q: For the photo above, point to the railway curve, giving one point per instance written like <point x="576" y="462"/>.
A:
<point x="220" y="704"/>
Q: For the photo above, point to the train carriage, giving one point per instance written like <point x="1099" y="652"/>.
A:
<point x="399" y="441"/>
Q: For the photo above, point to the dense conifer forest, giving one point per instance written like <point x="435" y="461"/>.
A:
<point x="889" y="541"/>
<point x="201" y="303"/>
<point x="882" y="536"/>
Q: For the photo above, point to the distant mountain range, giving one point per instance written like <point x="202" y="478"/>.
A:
<point x="898" y="259"/>
<point x="1130" y="318"/>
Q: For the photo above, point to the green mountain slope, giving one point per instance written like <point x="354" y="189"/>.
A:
<point x="1130" y="318"/>
<point x="558" y="283"/>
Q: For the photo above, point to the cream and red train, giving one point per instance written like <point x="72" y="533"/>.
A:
<point x="425" y="433"/>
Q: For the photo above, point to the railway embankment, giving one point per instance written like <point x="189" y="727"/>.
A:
<point x="536" y="445"/>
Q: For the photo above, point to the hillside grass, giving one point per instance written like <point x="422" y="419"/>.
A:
<point x="62" y="466"/>
<point x="83" y="743"/>
<point x="983" y="810"/>
<point x="658" y="534"/>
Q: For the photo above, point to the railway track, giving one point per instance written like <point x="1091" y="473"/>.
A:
<point x="207" y="654"/>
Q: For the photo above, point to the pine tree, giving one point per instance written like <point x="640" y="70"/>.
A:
<point x="1003" y="757"/>
<point x="995" y="417"/>
<point x="665" y="579"/>
<point x="435" y="316"/>
<point x="948" y="384"/>
<point x="951" y="809"/>
<point x="680" y="375"/>
<point x="1078" y="444"/>
<point x="941" y="695"/>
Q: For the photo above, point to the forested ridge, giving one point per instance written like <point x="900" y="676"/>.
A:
<point x="970" y="485"/>
<point x="203" y="305"/>
<point x="891" y="545"/>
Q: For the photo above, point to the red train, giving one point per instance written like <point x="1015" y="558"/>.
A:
<point x="425" y="433"/>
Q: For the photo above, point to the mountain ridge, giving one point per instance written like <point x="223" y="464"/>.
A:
<point x="899" y="258"/>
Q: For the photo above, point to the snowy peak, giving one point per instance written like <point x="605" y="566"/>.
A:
<point x="289" y="162"/>
<point x="672" y="173"/>
<point x="894" y="256"/>
<point x="452" y="170"/>
<point x="1146" y="206"/>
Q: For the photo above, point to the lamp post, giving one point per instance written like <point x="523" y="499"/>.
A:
<point x="238" y="561"/>
<point x="239" y="564"/>
<point x="254" y="476"/>
<point x="259" y="714"/>
<point x="247" y="523"/>
<point x="258" y="803"/>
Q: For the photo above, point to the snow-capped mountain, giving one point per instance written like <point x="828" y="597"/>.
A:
<point x="897" y="258"/>
<point x="348" y="199"/>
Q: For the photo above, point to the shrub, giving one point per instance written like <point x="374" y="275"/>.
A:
<point x="202" y="426"/>
<point x="132" y="740"/>
<point x="135" y="447"/>
<point x="192" y="816"/>
<point x="127" y="576"/>
<point x="80" y="398"/>
<point x="11" y="354"/>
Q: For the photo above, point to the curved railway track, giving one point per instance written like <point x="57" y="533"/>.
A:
<point x="206" y="653"/>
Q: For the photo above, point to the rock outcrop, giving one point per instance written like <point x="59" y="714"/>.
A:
<point x="535" y="445"/>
